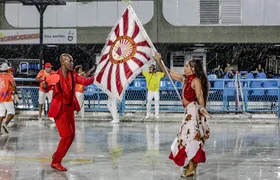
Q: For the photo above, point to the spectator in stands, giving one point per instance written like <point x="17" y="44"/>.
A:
<point x="79" y="88"/>
<point x="187" y="148"/>
<point x="230" y="74"/>
<point x="44" y="91"/>
<point x="7" y="87"/>
<point x="269" y="74"/>
<point x="218" y="71"/>
<point x="228" y="68"/>
<point x="153" y="83"/>
<point x="259" y="68"/>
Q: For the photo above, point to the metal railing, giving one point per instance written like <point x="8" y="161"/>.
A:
<point x="260" y="95"/>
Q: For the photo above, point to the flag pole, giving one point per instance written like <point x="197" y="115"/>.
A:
<point x="154" y="49"/>
<point x="165" y="68"/>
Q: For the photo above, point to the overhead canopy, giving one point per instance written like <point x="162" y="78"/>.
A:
<point x="36" y="2"/>
<point x="41" y="6"/>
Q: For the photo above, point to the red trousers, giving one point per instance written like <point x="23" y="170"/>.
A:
<point x="65" y="124"/>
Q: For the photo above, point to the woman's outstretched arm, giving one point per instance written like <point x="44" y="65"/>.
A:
<point x="174" y="75"/>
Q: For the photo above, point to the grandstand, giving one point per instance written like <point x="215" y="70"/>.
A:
<point x="260" y="95"/>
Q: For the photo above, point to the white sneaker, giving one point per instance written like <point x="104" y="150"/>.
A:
<point x="4" y="129"/>
<point x="52" y="119"/>
<point x="114" y="122"/>
<point x="40" y="120"/>
<point x="157" y="117"/>
<point x="147" y="116"/>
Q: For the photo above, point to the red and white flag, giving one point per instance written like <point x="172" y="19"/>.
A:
<point x="127" y="50"/>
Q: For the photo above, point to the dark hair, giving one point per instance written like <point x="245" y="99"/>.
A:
<point x="153" y="66"/>
<point x="199" y="72"/>
<point x="78" y="68"/>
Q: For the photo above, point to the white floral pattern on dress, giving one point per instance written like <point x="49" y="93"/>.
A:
<point x="193" y="132"/>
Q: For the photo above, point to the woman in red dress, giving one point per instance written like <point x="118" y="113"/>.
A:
<point x="187" y="149"/>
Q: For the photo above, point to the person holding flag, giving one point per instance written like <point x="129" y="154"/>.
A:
<point x="127" y="50"/>
<point x="112" y="106"/>
<point x="188" y="148"/>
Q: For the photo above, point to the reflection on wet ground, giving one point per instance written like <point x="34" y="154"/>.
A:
<point x="138" y="151"/>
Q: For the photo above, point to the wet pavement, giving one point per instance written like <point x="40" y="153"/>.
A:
<point x="138" y="151"/>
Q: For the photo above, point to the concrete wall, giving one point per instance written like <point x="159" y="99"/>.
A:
<point x="160" y="31"/>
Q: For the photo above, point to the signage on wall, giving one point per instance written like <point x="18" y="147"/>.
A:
<point x="32" y="36"/>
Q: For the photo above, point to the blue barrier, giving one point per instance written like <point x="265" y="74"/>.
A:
<point x="260" y="95"/>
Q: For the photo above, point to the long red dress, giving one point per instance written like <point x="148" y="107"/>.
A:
<point x="189" y="143"/>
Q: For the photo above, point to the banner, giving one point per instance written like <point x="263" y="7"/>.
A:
<point x="32" y="36"/>
<point x="127" y="50"/>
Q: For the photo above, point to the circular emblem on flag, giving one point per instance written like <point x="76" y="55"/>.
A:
<point x="126" y="51"/>
<point x="122" y="49"/>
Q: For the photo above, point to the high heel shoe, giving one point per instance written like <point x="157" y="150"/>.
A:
<point x="191" y="170"/>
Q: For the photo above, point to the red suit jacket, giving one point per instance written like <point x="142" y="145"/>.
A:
<point x="57" y="98"/>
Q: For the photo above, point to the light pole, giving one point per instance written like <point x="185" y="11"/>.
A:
<point x="41" y="6"/>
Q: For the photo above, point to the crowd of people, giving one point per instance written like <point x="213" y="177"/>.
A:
<point x="230" y="71"/>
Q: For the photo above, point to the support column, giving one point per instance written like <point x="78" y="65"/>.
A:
<point x="41" y="9"/>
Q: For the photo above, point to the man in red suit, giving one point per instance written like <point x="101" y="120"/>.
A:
<point x="63" y="105"/>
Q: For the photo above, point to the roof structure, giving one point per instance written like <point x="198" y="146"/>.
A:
<point x="36" y="2"/>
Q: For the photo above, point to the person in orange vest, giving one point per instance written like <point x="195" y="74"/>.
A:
<point x="7" y="87"/>
<point x="79" y="88"/>
<point x="44" y="92"/>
